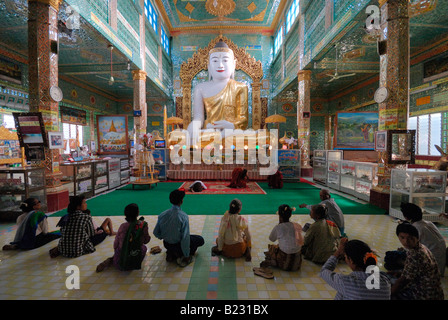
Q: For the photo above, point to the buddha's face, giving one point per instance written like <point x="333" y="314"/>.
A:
<point x="221" y="65"/>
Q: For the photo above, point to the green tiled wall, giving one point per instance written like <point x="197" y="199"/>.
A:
<point x="317" y="133"/>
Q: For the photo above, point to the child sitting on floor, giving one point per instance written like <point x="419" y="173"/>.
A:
<point x="234" y="240"/>
<point x="129" y="244"/>
<point x="286" y="255"/>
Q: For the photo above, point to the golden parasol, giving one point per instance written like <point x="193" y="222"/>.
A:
<point x="173" y="121"/>
<point x="275" y="118"/>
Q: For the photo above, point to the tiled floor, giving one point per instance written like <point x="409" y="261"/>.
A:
<point x="33" y="275"/>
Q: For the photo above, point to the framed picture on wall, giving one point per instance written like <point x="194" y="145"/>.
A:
<point x="112" y="134"/>
<point x="30" y="129"/>
<point x="55" y="140"/>
<point x="401" y="146"/>
<point x="35" y="153"/>
<point x="381" y="140"/>
<point x="355" y="130"/>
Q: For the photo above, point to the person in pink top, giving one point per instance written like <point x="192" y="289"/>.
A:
<point x="130" y="242"/>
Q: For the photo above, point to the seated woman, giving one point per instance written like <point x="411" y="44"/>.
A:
<point x="322" y="237"/>
<point x="234" y="240"/>
<point x="32" y="231"/>
<point x="353" y="286"/>
<point x="420" y="279"/>
<point x="79" y="236"/>
<point x="130" y="242"/>
<point x="239" y="178"/>
<point x="286" y="255"/>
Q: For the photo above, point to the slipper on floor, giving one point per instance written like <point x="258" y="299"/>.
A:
<point x="265" y="270"/>
<point x="155" y="250"/>
<point x="101" y="267"/>
<point x="54" y="252"/>
<point x="264" y="273"/>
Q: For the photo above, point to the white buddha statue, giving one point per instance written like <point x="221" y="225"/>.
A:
<point x="220" y="103"/>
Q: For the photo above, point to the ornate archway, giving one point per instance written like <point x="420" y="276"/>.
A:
<point x="245" y="62"/>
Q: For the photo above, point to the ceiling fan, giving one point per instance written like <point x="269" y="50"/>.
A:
<point x="336" y="75"/>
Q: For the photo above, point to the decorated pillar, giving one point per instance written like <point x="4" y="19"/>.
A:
<point x="328" y="136"/>
<point x="140" y="121"/>
<point x="256" y="105"/>
<point x="186" y="103"/>
<point x="393" y="85"/>
<point x="394" y="65"/>
<point x="43" y="74"/>
<point x="303" y="120"/>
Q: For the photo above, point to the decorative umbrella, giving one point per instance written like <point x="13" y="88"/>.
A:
<point x="173" y="121"/>
<point x="275" y="118"/>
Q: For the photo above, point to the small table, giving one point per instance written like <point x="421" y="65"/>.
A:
<point x="144" y="181"/>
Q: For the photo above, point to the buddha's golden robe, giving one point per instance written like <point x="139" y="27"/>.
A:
<point x="230" y="104"/>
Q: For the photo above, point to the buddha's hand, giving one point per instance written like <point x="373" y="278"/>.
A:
<point x="223" y="124"/>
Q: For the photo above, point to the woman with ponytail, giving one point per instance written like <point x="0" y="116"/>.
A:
<point x="234" y="240"/>
<point x="286" y="254"/>
<point x="365" y="282"/>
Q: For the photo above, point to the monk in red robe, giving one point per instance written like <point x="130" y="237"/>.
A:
<point x="239" y="178"/>
<point x="275" y="181"/>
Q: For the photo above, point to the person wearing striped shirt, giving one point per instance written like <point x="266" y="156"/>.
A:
<point x="363" y="283"/>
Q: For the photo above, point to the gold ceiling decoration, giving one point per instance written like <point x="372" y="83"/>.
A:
<point x="189" y="7"/>
<point x="353" y="54"/>
<point x="220" y="8"/>
<point x="252" y="7"/>
<point x="422" y="6"/>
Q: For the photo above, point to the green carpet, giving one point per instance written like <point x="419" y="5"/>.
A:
<point x="155" y="200"/>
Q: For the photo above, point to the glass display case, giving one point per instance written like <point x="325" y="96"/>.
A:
<point x="114" y="173"/>
<point x="160" y="158"/>
<point x="101" y="176"/>
<point x="348" y="176"/>
<point x="365" y="179"/>
<point x="83" y="171"/>
<point x="423" y="187"/>
<point x="79" y="177"/>
<point x="320" y="164"/>
<point x="334" y="174"/>
<point x="125" y="171"/>
<point x="101" y="168"/>
<point x="18" y="184"/>
<point x="289" y="164"/>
